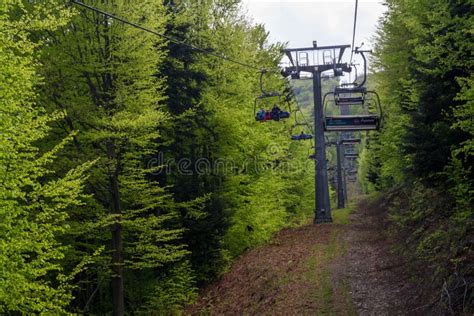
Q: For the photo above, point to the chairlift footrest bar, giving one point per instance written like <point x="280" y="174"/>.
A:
<point x="352" y="123"/>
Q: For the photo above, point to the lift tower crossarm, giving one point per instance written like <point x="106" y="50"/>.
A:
<point x="286" y="50"/>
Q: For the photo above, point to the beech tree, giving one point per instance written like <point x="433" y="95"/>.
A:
<point x="34" y="201"/>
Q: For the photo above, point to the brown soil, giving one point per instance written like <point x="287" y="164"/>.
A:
<point x="330" y="269"/>
<point x="380" y="282"/>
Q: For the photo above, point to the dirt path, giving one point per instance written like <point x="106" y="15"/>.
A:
<point x="380" y="284"/>
<point x="344" y="268"/>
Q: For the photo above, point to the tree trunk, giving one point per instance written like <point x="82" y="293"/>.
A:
<point x="117" y="241"/>
<point x="118" y="297"/>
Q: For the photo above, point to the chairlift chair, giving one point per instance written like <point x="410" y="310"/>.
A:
<point x="344" y="95"/>
<point x="359" y="122"/>
<point x="302" y="136"/>
<point x="275" y="113"/>
<point x="349" y="95"/>
<point x="351" y="141"/>
<point x="351" y="156"/>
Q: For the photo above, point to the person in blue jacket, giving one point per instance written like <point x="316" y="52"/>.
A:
<point x="260" y="115"/>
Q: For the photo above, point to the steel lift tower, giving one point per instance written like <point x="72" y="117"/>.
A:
<point x="307" y="60"/>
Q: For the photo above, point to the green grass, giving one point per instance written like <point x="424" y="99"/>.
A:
<point x="342" y="216"/>
<point x="319" y="272"/>
<point x="346" y="294"/>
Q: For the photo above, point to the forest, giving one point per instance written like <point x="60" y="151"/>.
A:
<point x="133" y="172"/>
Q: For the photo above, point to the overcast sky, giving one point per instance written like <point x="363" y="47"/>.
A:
<point x="329" y="22"/>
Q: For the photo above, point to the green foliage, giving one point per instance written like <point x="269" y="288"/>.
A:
<point x="102" y="76"/>
<point x="424" y="74"/>
<point x="463" y="114"/>
<point x="172" y="291"/>
<point x="251" y="193"/>
<point x="437" y="235"/>
<point x="124" y="107"/>
<point x="34" y="202"/>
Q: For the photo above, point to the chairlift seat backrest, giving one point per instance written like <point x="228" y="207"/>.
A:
<point x="344" y="90"/>
<point x="349" y="96"/>
<point x="350" y="141"/>
<point x="349" y="100"/>
<point x="350" y="156"/>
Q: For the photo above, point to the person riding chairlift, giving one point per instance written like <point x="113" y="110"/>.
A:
<point x="275" y="114"/>
<point x="263" y="115"/>
<point x="260" y="115"/>
<point x="278" y="114"/>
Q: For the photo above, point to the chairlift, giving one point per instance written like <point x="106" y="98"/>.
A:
<point x="351" y="156"/>
<point x="302" y="136"/>
<point x="349" y="96"/>
<point x="351" y="93"/>
<point x="276" y="113"/>
<point x="359" y="122"/>
<point x="354" y="94"/>
<point x="349" y="134"/>
<point x="351" y="141"/>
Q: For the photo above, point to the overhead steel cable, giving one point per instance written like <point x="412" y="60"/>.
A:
<point x="354" y="29"/>
<point x="306" y="124"/>
<point x="169" y="38"/>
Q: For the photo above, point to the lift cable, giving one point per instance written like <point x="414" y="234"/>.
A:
<point x="169" y="38"/>
<point x="354" y="29"/>
<point x="308" y="126"/>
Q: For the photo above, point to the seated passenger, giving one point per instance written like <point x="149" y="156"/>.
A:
<point x="260" y="115"/>
<point x="268" y="116"/>
<point x="275" y="114"/>
<point x="276" y="111"/>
